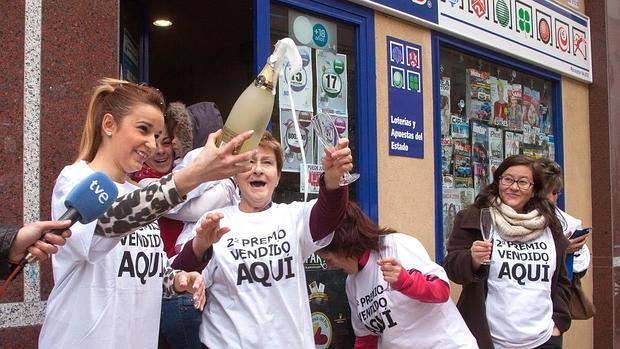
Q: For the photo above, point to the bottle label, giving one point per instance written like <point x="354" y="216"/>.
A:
<point x="262" y="82"/>
<point x="227" y="136"/>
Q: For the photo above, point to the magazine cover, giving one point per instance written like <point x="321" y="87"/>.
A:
<point x="499" y="100"/>
<point x="533" y="150"/>
<point x="496" y="144"/>
<point x="529" y="137"/>
<point x="444" y="91"/>
<point x="447" y="182"/>
<point x="531" y="101"/>
<point x="543" y="140"/>
<point x="459" y="127"/>
<point x="492" y="167"/>
<point x="454" y="200"/>
<point x="464" y="182"/>
<point x="515" y="117"/>
<point x="544" y="112"/>
<point x="481" y="176"/>
<point x="477" y="94"/>
<point x="512" y="143"/>
<point x="462" y="159"/>
<point x="551" y="140"/>
<point x="446" y="156"/>
<point x="538" y="136"/>
<point x="451" y="199"/>
<point x="480" y="142"/>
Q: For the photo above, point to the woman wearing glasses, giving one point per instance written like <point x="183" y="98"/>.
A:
<point x="520" y="299"/>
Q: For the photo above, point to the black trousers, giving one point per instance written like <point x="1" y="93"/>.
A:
<point x="555" y="342"/>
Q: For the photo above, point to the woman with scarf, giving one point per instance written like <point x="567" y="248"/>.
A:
<point x="521" y="299"/>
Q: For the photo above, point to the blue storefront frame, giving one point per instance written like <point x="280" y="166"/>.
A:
<point x="363" y="19"/>
<point x="442" y="40"/>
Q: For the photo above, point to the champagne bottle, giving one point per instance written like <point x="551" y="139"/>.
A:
<point x="252" y="110"/>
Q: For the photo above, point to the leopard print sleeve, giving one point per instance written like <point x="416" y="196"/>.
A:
<point x="139" y="208"/>
<point x="168" y="282"/>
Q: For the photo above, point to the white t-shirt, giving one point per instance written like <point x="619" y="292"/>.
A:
<point x="106" y="294"/>
<point x="519" y="307"/>
<point x="206" y="197"/>
<point x="399" y="320"/>
<point x="256" y="283"/>
<point x="581" y="258"/>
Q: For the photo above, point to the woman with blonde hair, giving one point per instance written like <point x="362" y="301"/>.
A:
<point x="109" y="283"/>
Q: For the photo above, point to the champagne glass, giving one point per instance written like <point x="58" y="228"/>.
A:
<point x="327" y="133"/>
<point x="386" y="249"/>
<point x="486" y="225"/>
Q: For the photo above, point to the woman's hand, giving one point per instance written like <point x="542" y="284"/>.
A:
<point x="208" y="232"/>
<point x="193" y="283"/>
<point x="556" y="331"/>
<point x="336" y="163"/>
<point x="214" y="163"/>
<point x="390" y="267"/>
<point x="576" y="244"/>
<point x="480" y="251"/>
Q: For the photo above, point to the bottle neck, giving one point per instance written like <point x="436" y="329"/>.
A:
<point x="265" y="79"/>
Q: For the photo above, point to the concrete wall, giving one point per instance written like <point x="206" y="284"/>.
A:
<point x="577" y="175"/>
<point x="406" y="185"/>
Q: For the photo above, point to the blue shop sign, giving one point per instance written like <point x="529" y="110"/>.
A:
<point x="405" y="98"/>
<point x="422" y="9"/>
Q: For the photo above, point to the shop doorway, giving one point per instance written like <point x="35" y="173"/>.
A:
<point x="205" y="55"/>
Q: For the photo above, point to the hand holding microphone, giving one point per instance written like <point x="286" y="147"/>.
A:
<point x="28" y="239"/>
<point x="86" y="202"/>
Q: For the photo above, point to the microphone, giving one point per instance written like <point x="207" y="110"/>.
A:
<point x="86" y="202"/>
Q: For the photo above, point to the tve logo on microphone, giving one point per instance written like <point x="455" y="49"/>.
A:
<point x="90" y="198"/>
<point x="100" y="192"/>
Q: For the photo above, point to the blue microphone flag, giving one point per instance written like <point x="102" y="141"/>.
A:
<point x="91" y="197"/>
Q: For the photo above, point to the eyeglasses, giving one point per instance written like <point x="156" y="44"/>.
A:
<point x="522" y="183"/>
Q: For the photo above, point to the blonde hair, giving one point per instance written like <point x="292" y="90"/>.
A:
<point x="117" y="98"/>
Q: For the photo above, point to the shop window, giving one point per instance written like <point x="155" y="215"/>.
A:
<point x="488" y="112"/>
<point x="335" y="64"/>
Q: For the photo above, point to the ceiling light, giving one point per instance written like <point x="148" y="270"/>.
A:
<point x="162" y="22"/>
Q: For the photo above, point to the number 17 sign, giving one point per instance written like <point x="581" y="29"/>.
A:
<point x="331" y="77"/>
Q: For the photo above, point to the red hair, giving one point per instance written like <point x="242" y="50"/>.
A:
<point x="356" y="234"/>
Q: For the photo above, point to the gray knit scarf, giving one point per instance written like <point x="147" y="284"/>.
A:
<point x="513" y="226"/>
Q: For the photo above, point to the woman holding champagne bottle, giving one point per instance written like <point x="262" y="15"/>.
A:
<point x="522" y="298"/>
<point x="109" y="284"/>
<point x="256" y="285"/>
